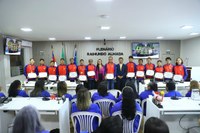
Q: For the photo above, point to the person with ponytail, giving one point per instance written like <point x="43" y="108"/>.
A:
<point x="128" y="106"/>
<point x="15" y="90"/>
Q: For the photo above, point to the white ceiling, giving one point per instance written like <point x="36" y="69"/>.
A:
<point x="75" y="19"/>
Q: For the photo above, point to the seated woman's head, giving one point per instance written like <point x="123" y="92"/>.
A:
<point x="128" y="103"/>
<point x="155" y="125"/>
<point x="27" y="121"/>
<point x="39" y="87"/>
<point x="61" y="88"/>
<point x="13" y="89"/>
<point x="102" y="89"/>
<point x="194" y="85"/>
<point x="152" y="86"/>
<point x="132" y="85"/>
<point x="171" y="86"/>
<point x="83" y="99"/>
<point x="78" y="87"/>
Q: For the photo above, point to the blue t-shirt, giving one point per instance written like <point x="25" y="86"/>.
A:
<point x="74" y="97"/>
<point x="145" y="94"/>
<point x="93" y="108"/>
<point x="68" y="96"/>
<point x="44" y="131"/>
<point x="118" y="107"/>
<point x="119" y="98"/>
<point x="2" y="95"/>
<point x="22" y="93"/>
<point x="44" y="94"/>
<point x="96" y="96"/>
<point x="173" y="93"/>
<point x="188" y="94"/>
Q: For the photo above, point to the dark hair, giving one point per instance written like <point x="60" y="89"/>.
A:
<point x="13" y="89"/>
<point x="140" y="60"/>
<point x="159" y="61"/>
<point x="181" y="60"/>
<point x="155" y="125"/>
<point x="171" y="86"/>
<point x="81" y="60"/>
<point x="31" y="59"/>
<point x="128" y="103"/>
<point x="102" y="89"/>
<point x="61" y="88"/>
<point x="149" y="58"/>
<point x="111" y="124"/>
<point x="167" y="58"/>
<point x="39" y="87"/>
<point x="120" y="58"/>
<point x="130" y="57"/>
<point x="78" y="87"/>
<point x="62" y="59"/>
<point x="132" y="85"/>
<point x="27" y="121"/>
<point x="41" y="59"/>
<point x="52" y="61"/>
<point x="153" y="86"/>
<point x="98" y="64"/>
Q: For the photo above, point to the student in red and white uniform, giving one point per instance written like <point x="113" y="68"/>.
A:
<point x="180" y="69"/>
<point x="110" y="72"/>
<point x="52" y="70"/>
<point x="159" y="71"/>
<point x="41" y="70"/>
<point x="30" y="68"/>
<point x="82" y="72"/>
<point x="91" y="68"/>
<point x="168" y="69"/>
<point x="131" y="68"/>
<point x="62" y="70"/>
<point x="149" y="67"/>
<point x="140" y="74"/>
<point x="72" y="71"/>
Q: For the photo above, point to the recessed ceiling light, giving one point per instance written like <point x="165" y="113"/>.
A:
<point x="26" y="29"/>
<point x="88" y="38"/>
<point x="122" y="37"/>
<point x="105" y="27"/>
<point x="194" y="33"/>
<point x="104" y="0"/>
<point x="104" y="16"/>
<point x="186" y="27"/>
<point x="159" y="37"/>
<point x="52" y="38"/>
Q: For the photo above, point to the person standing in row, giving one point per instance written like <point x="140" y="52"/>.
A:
<point x="52" y="71"/>
<point x="121" y="74"/>
<point x="168" y="69"/>
<point x="140" y="74"/>
<point x="72" y="71"/>
<point x="41" y="70"/>
<point x="91" y="74"/>
<point x="62" y="70"/>
<point x="100" y="72"/>
<point x="159" y="71"/>
<point x="131" y="69"/>
<point x="180" y="69"/>
<point x="150" y="67"/>
<point x="110" y="72"/>
<point x="82" y="72"/>
<point x="30" y="70"/>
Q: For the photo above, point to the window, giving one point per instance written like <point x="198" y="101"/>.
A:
<point x="17" y="64"/>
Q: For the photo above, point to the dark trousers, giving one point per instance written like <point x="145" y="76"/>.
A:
<point x="91" y="84"/>
<point x="120" y="83"/>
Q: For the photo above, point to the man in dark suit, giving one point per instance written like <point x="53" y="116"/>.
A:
<point x="121" y="74"/>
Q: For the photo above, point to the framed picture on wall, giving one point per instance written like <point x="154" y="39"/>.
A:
<point x="146" y="49"/>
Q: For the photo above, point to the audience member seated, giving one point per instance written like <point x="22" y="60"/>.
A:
<point x="128" y="106"/>
<point x="39" y="90"/>
<point x="102" y="93"/>
<point x="132" y="85"/>
<point x="15" y="90"/>
<point x="151" y="88"/>
<point x="84" y="104"/>
<point x="170" y="87"/>
<point x="112" y="124"/>
<point x="78" y="87"/>
<point x="155" y="125"/>
<point x="193" y="85"/>
<point x="1" y="93"/>
<point x="62" y="90"/>
<point x="27" y="121"/>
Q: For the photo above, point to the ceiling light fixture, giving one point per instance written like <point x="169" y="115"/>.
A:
<point x="26" y="29"/>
